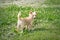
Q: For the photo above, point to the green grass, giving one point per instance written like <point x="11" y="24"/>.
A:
<point x="46" y="24"/>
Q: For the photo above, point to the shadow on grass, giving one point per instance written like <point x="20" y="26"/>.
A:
<point x="35" y="30"/>
<point x="40" y="29"/>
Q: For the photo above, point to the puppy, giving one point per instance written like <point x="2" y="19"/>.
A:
<point x="25" y="21"/>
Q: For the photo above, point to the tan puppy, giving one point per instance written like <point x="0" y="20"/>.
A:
<point x="25" y="21"/>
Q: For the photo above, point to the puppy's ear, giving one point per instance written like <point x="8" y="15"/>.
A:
<point x="30" y="12"/>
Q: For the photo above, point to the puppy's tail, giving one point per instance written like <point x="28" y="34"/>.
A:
<point x="19" y="14"/>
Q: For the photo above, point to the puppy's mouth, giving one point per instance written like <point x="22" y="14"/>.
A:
<point x="34" y="17"/>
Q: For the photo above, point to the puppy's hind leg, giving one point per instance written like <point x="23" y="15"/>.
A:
<point x="29" y="27"/>
<point x="21" y="28"/>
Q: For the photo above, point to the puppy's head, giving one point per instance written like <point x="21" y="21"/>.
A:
<point x="33" y="14"/>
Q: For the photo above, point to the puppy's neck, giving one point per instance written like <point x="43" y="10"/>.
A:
<point x="31" y="16"/>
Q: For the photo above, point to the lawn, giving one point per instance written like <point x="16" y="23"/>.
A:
<point x="46" y="24"/>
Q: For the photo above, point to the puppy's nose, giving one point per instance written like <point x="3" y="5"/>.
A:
<point x="34" y="17"/>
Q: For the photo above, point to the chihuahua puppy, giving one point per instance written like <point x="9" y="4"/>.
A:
<point x="25" y="21"/>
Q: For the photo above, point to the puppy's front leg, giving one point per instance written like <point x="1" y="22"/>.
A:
<point x="29" y="27"/>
